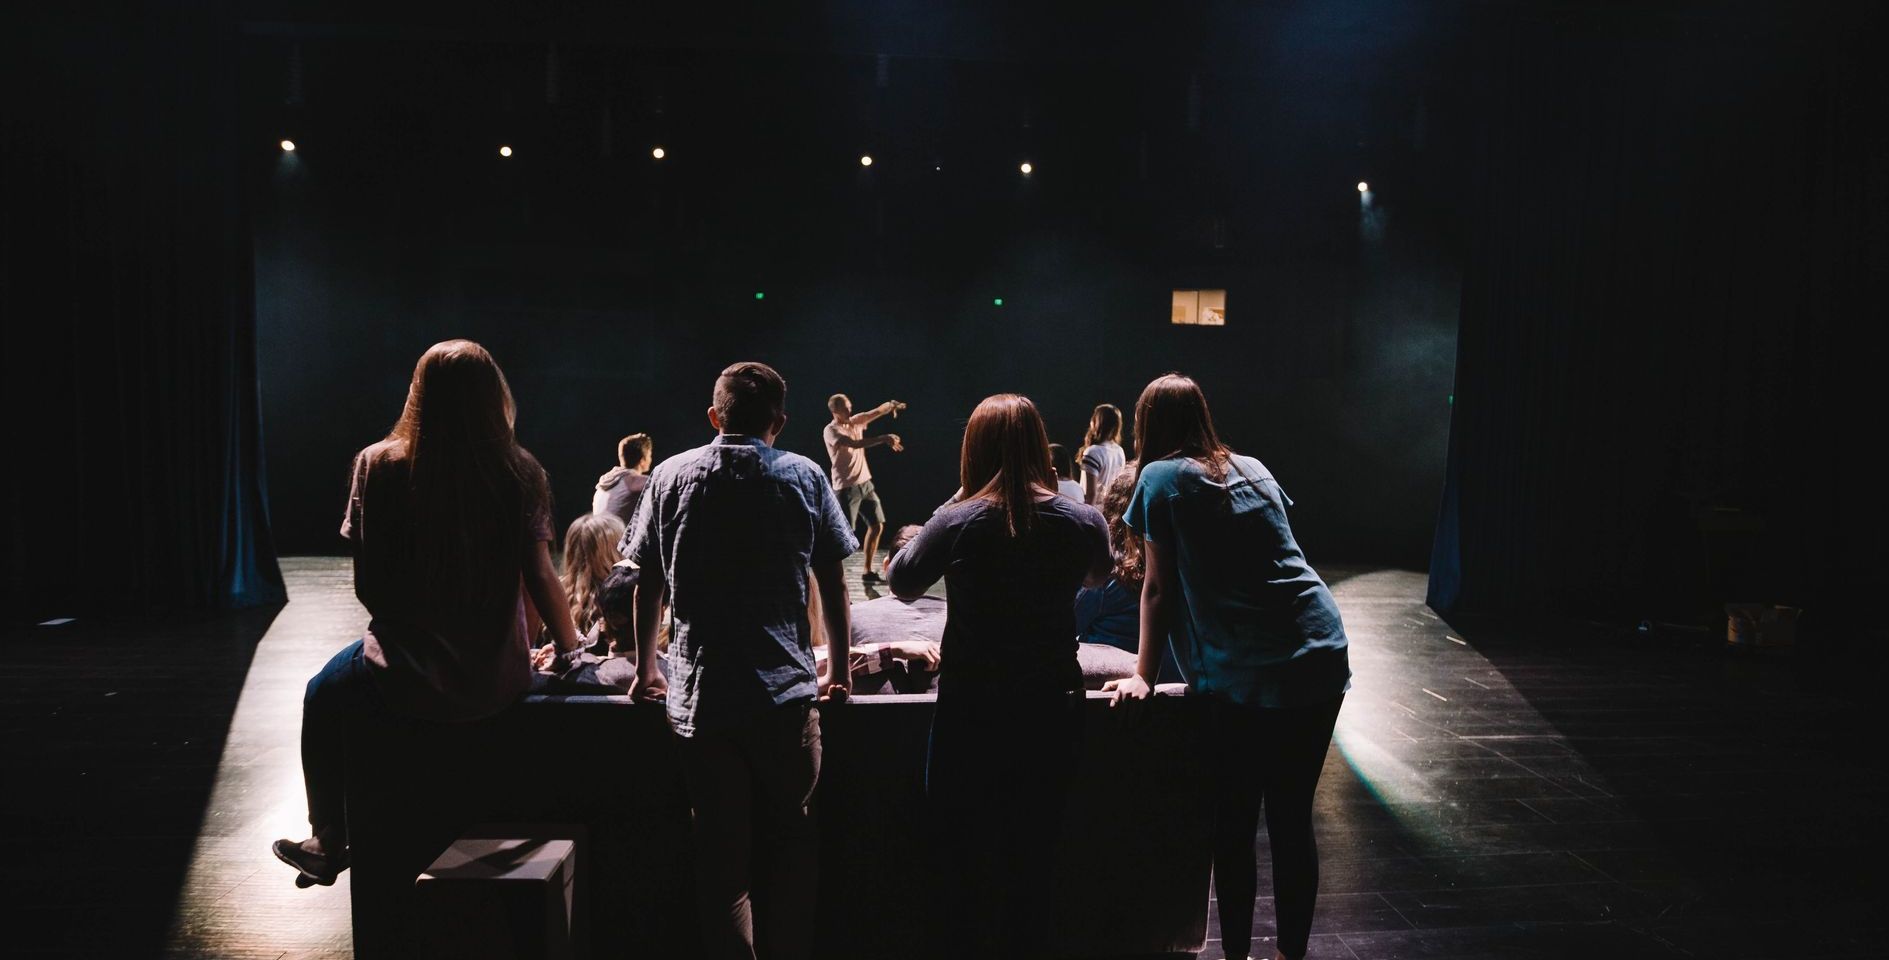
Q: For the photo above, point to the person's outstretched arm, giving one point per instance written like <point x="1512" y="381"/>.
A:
<point x="829" y="580"/>
<point x="867" y="416"/>
<point x="864" y="443"/>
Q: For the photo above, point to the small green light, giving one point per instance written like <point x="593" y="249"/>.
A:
<point x="758" y="295"/>
<point x="997" y="302"/>
<point x="1452" y="399"/>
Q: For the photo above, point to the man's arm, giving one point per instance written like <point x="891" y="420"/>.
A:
<point x="864" y="417"/>
<point x="865" y="442"/>
<point x="648" y="600"/>
<point x="829" y="580"/>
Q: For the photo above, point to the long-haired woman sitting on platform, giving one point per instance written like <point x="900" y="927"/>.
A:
<point x="1258" y="635"/>
<point x="590" y="553"/>
<point x="1012" y="553"/>
<point x="450" y="523"/>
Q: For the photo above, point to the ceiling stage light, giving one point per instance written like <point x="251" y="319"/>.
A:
<point x="505" y="151"/>
<point x="288" y="146"/>
<point x="1027" y="169"/>
<point x="1363" y="187"/>
<point x="865" y="161"/>
<point x="657" y="153"/>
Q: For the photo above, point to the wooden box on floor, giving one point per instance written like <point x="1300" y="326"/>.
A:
<point x="498" y="899"/>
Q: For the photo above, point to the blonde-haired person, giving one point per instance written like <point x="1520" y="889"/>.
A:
<point x="590" y="554"/>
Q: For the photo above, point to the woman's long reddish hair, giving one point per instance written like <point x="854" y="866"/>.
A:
<point x="1172" y="420"/>
<point x="470" y="486"/>
<point x="1006" y="458"/>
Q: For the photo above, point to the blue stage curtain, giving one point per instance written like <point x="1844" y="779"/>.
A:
<point x="1669" y="362"/>
<point x="134" y="480"/>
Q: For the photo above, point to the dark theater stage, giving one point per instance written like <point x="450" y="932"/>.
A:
<point x="1559" y="320"/>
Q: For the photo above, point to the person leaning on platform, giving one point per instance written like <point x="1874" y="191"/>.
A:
<point x="1259" y="636"/>
<point x="846" y="446"/>
<point x="447" y="517"/>
<point x="911" y="633"/>
<point x="1007" y="724"/>
<point x="619" y="489"/>
<point x="729" y="532"/>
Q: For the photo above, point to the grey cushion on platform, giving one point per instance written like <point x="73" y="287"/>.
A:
<point x="1102" y="663"/>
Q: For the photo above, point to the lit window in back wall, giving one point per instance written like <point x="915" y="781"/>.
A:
<point x="1200" y="308"/>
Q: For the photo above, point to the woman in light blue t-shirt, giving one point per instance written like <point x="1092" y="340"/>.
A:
<point x="1257" y="633"/>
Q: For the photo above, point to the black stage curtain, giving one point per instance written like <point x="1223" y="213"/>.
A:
<point x="134" y="477"/>
<point x="1667" y="380"/>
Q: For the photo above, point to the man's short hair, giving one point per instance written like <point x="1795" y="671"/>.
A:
<point x="632" y="449"/>
<point x="749" y="397"/>
<point x="906" y="534"/>
<point x="833" y="402"/>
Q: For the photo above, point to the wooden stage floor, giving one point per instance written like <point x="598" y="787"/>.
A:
<point x="1497" y="793"/>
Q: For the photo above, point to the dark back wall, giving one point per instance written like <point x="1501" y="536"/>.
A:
<point x="613" y="287"/>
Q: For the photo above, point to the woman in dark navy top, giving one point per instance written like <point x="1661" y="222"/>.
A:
<point x="1257" y="633"/>
<point x="1012" y="554"/>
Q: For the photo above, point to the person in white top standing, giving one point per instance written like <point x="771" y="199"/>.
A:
<point x="846" y="445"/>
<point x="1102" y="456"/>
<point x="1065" y="472"/>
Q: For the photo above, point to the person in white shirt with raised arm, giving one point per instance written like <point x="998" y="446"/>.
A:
<point x="846" y="446"/>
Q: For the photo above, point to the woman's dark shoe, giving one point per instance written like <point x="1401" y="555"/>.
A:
<point x="316" y="866"/>
<point x="871" y="577"/>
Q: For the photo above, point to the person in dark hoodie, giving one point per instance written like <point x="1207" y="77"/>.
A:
<point x="619" y="490"/>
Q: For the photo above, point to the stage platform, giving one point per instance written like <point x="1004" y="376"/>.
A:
<point x="1489" y="794"/>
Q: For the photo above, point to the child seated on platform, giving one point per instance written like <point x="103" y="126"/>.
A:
<point x="601" y="586"/>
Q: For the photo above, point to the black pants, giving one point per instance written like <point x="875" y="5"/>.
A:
<point x="997" y="780"/>
<point x="1271" y="758"/>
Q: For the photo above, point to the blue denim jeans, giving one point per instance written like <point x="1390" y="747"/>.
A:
<point x="336" y="696"/>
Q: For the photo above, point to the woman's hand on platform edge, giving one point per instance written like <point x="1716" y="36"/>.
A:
<point x="649" y="686"/>
<point x="544" y="658"/>
<point x="1127" y="688"/>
